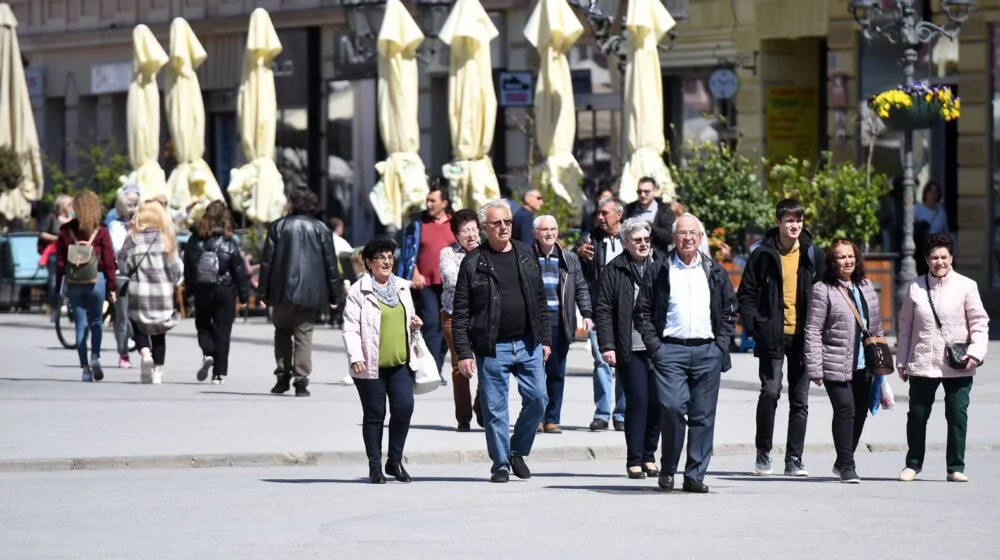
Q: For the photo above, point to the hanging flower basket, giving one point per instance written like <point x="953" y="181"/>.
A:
<point x="915" y="106"/>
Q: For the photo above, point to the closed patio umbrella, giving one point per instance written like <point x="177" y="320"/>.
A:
<point x="257" y="188"/>
<point x="472" y="104"/>
<point x="404" y="180"/>
<point x="17" y="122"/>
<point x="552" y="29"/>
<point x="647" y="22"/>
<point x="148" y="57"/>
<point x="191" y="184"/>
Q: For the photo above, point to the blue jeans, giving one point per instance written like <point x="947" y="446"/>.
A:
<point x="523" y="358"/>
<point x="602" y="386"/>
<point x="87" y="304"/>
<point x="555" y="373"/>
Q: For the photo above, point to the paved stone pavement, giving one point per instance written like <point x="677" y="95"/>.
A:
<point x="50" y="420"/>
<point x="581" y="510"/>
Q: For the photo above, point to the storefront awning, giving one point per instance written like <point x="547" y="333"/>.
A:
<point x="792" y="19"/>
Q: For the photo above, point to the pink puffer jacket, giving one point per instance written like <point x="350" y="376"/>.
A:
<point x="963" y="318"/>
<point x="831" y="331"/>
<point x="363" y="321"/>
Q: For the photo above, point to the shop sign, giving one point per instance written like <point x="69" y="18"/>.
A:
<point x="516" y="89"/>
<point x="792" y="123"/>
<point x="113" y="77"/>
<point x="35" y="77"/>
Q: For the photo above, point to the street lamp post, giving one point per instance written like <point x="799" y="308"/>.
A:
<point x="364" y="18"/>
<point x="898" y="22"/>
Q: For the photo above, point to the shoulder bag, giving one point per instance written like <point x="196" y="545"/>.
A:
<point x="123" y="289"/>
<point x="953" y="351"/>
<point x="878" y="355"/>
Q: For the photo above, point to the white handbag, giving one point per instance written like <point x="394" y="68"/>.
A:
<point x="426" y="376"/>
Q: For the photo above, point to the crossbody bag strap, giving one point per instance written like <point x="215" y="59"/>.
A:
<point x="937" y="321"/>
<point x="854" y="309"/>
<point x="133" y="269"/>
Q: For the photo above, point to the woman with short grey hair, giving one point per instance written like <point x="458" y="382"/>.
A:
<point x="126" y="204"/>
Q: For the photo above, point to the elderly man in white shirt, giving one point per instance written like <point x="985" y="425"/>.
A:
<point x="686" y="316"/>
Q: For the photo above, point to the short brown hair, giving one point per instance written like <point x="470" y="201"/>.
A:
<point x="216" y="221"/>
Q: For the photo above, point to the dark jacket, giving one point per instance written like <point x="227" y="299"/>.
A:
<point x="615" y="304"/>
<point x="524" y="226"/>
<point x="761" y="293"/>
<point x="70" y="234"/>
<point x="662" y="225"/>
<point x="651" y="310"/>
<point x="476" y="314"/>
<point x="592" y="268"/>
<point x="299" y="266"/>
<point x="573" y="290"/>
<point x="231" y="270"/>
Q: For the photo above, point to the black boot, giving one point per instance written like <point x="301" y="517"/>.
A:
<point x="283" y="384"/>
<point x="394" y="468"/>
<point x="375" y="475"/>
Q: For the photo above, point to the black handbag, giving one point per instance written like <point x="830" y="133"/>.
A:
<point x="878" y="355"/>
<point x="953" y="351"/>
<point x="123" y="289"/>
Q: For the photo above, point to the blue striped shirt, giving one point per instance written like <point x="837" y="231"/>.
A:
<point x="550" y="280"/>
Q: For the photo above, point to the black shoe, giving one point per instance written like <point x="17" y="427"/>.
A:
<point x="500" y="476"/>
<point x="375" y="475"/>
<point x="650" y="472"/>
<point x="849" y="475"/>
<point x="519" y="467"/>
<point x="619" y="425"/>
<point x="397" y="470"/>
<point x="597" y="425"/>
<point x="444" y="382"/>
<point x="463" y="427"/>
<point x="694" y="486"/>
<point x="283" y="384"/>
<point x="634" y="475"/>
<point x="479" y="418"/>
<point x="665" y="482"/>
<point x="301" y="391"/>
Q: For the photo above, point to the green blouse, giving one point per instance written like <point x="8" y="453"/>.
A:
<point x="392" y="347"/>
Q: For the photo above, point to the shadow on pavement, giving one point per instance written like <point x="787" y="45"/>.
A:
<point x="622" y="490"/>
<point x="237" y="393"/>
<point x="364" y="480"/>
<point x="438" y="428"/>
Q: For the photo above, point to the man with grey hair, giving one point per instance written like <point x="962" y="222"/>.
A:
<point x="500" y="326"/>
<point x="686" y="316"/>
<point x="565" y="291"/>
<point x="596" y="249"/>
<point x="524" y="218"/>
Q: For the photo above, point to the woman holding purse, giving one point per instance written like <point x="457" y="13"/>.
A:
<point x="943" y="333"/>
<point x="379" y="323"/>
<point x="834" y="352"/>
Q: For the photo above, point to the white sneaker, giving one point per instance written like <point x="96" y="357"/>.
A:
<point x="957" y="477"/>
<point x="157" y="376"/>
<point x="908" y="474"/>
<point x="206" y="364"/>
<point x="347" y="380"/>
<point x="146" y="369"/>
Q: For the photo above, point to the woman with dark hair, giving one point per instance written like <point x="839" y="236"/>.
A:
<point x="213" y="271"/>
<point x="379" y="321"/>
<point x="929" y="217"/>
<point x="465" y="227"/>
<point x="833" y="347"/>
<point x="86" y="260"/>
<point x="941" y="308"/>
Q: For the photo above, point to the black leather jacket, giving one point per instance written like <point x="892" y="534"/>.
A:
<point x="231" y="270"/>
<point x="299" y="265"/>
<point x="651" y="309"/>
<point x="476" y="315"/>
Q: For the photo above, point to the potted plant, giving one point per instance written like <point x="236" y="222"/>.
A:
<point x="915" y="106"/>
<point x="11" y="170"/>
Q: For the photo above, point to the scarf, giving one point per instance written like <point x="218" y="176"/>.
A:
<point x="388" y="294"/>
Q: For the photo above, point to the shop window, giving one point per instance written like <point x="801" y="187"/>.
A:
<point x="340" y="150"/>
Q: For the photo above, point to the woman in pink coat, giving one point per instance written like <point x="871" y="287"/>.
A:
<point x="960" y="317"/>
<point x="378" y="322"/>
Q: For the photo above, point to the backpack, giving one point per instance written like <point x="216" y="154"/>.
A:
<point x="81" y="261"/>
<point x="206" y="270"/>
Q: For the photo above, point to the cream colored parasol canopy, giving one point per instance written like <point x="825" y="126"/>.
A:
<point x="148" y="57"/>
<point x="192" y="185"/>
<point x="257" y="188"/>
<point x="552" y="29"/>
<point x="472" y="104"/>
<point x="404" y="180"/>
<point x="647" y="22"/>
<point x="17" y="122"/>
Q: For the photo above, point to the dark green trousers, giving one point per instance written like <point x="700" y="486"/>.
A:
<point x="956" y="412"/>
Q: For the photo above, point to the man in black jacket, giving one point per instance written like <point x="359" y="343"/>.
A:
<point x="658" y="213"/>
<point x="500" y="326"/>
<point x="686" y="316"/>
<point x="298" y="278"/>
<point x="774" y="298"/>
<point x="565" y="291"/>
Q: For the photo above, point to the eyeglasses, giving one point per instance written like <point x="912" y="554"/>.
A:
<point x="645" y="191"/>
<point x="468" y="231"/>
<point x="688" y="233"/>
<point x="384" y="258"/>
<point x="498" y="223"/>
<point x="640" y="240"/>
